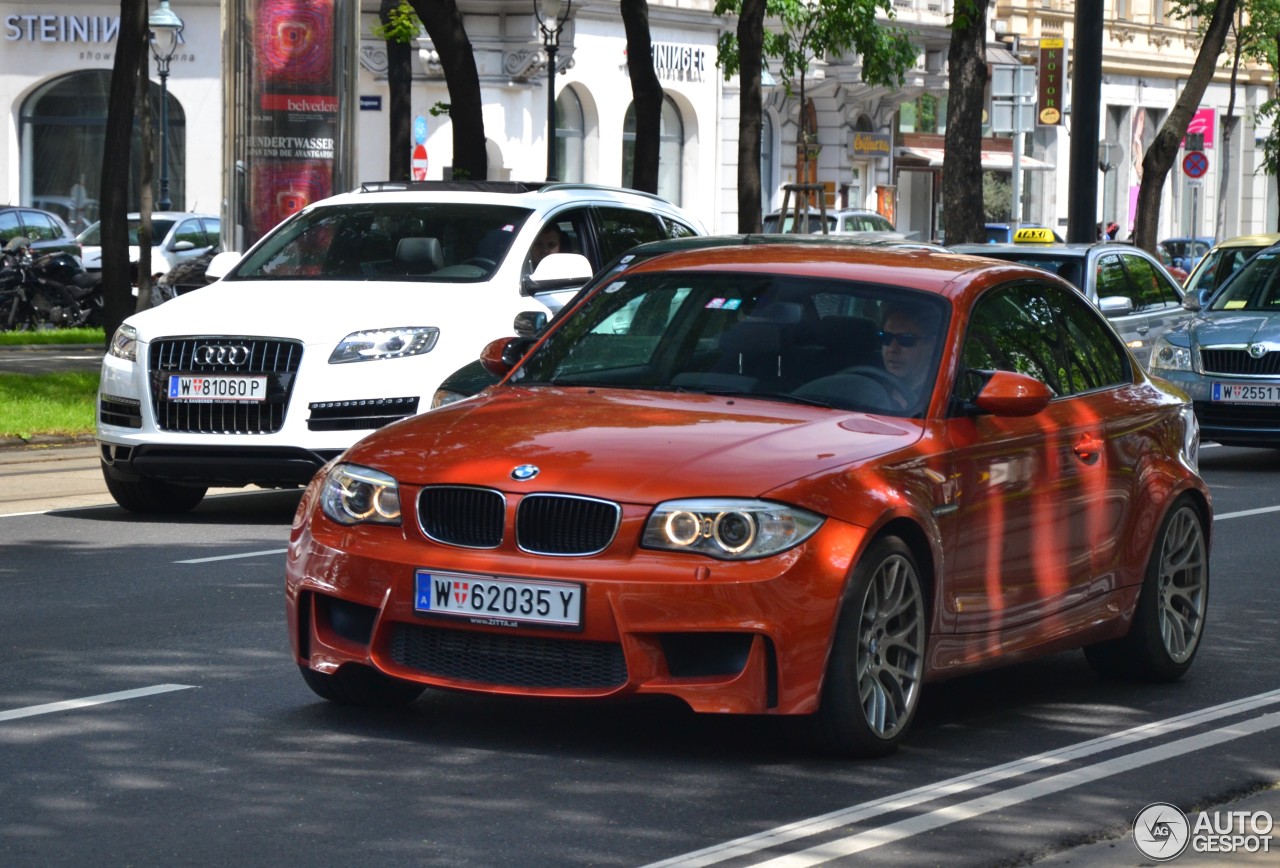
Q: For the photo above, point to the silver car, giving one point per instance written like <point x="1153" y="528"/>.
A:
<point x="1128" y="284"/>
<point x="1227" y="357"/>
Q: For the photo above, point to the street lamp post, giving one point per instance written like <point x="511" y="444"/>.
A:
<point x="551" y="20"/>
<point x="166" y="30"/>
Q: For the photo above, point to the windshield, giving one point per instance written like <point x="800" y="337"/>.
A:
<point x="432" y="242"/>
<point x="1068" y="267"/>
<point x="833" y="343"/>
<point x="1255" y="287"/>
<point x="1213" y="271"/>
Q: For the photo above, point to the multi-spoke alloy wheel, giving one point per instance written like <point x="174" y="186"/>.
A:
<point x="1168" y="623"/>
<point x="873" y="680"/>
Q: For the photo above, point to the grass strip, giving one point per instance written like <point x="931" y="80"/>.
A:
<point x="60" y="403"/>
<point x="53" y="336"/>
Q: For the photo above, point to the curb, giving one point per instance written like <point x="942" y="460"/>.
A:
<point x="45" y="441"/>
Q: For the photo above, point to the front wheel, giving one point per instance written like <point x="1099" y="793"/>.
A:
<point x="1169" y="620"/>
<point x="874" y="674"/>
<point x="152" y="495"/>
<point x="354" y="684"/>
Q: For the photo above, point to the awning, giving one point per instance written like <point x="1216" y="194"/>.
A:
<point x="993" y="160"/>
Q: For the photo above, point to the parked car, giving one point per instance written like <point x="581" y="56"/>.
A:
<point x="1227" y="357"/>
<point x="1186" y="252"/>
<point x="343" y="318"/>
<point x="803" y="482"/>
<point x="176" y="237"/>
<point x="840" y="221"/>
<point x="1224" y="260"/>
<point x="1127" y="283"/>
<point x="77" y="214"/>
<point x="46" y="231"/>
<point x="188" y="275"/>
<point x="472" y="378"/>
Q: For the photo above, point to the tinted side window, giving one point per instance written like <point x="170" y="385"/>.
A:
<point x="1113" y="280"/>
<point x="10" y="228"/>
<point x="1043" y="332"/>
<point x="621" y="229"/>
<point x="676" y="229"/>
<point x="190" y="230"/>
<point x="38" y="227"/>
<point x="1152" y="291"/>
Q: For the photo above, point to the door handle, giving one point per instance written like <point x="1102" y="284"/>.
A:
<point x="1088" y="449"/>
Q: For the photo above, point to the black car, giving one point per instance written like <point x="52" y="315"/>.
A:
<point x="46" y="231"/>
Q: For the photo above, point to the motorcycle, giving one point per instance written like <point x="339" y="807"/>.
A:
<point x="16" y="311"/>
<point x="63" y="294"/>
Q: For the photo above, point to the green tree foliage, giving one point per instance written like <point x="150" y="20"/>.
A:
<point x="802" y="32"/>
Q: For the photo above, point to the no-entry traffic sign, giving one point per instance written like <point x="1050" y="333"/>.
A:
<point x="419" y="163"/>
<point x="1195" y="164"/>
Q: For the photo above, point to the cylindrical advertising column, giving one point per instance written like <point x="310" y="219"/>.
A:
<point x="289" y="109"/>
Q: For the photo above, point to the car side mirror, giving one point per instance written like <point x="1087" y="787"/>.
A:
<point x="1115" y="305"/>
<point x="529" y="322"/>
<point x="1008" y="393"/>
<point x="179" y="246"/>
<point x="559" y="271"/>
<point x="500" y="356"/>
<point x="1192" y="302"/>
<point x="220" y="266"/>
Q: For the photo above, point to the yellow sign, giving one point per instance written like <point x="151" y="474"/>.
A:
<point x="1034" y="234"/>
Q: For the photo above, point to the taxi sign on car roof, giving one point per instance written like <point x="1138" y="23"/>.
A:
<point x="1034" y="234"/>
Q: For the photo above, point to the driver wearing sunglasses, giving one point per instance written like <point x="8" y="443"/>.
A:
<point x="906" y="342"/>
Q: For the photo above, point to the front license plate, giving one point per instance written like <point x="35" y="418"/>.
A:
<point x="1246" y="394"/>
<point x="485" y="600"/>
<point x="217" y="388"/>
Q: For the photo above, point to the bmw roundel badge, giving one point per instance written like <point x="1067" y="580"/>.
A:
<point x="524" y="472"/>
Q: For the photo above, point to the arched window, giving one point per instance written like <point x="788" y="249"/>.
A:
<point x="570" y="135"/>
<point x="62" y="126"/>
<point x="670" y="150"/>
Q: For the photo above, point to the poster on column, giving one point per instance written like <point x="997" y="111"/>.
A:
<point x="293" y="117"/>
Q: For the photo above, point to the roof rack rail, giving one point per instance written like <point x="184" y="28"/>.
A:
<point x="469" y="186"/>
<point x="579" y="185"/>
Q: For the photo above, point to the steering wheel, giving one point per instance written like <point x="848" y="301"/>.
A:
<point x="480" y="262"/>
<point x="888" y="381"/>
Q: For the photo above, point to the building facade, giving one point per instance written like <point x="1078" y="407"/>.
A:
<point x="879" y="148"/>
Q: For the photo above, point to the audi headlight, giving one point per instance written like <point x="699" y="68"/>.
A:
<point x="124" y="343"/>
<point x="728" y="528"/>
<point x="392" y="343"/>
<point x="358" y="495"/>
<point x="1170" y="357"/>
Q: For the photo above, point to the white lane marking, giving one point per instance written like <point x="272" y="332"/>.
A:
<point x="996" y="801"/>
<point x="85" y="702"/>
<point x="233" y="557"/>
<point x="846" y="816"/>
<point x="1244" y="512"/>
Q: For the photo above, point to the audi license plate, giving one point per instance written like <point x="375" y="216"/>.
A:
<point x="218" y="387"/>
<point x="1238" y="393"/>
<point x="500" y="602"/>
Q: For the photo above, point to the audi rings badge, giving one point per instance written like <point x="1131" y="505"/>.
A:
<point x="212" y="354"/>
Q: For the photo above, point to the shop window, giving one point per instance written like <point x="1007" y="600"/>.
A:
<point x="670" y="150"/>
<point x="62" y="127"/>
<point x="570" y="135"/>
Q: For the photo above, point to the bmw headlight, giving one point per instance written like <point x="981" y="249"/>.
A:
<point x="728" y="528"/>
<point x="358" y="495"/>
<point x="392" y="343"/>
<point x="1170" y="357"/>
<point x="124" y="343"/>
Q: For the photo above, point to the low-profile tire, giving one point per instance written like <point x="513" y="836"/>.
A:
<point x="872" y="686"/>
<point x="354" y="684"/>
<point x="1168" y="622"/>
<point x="152" y="495"/>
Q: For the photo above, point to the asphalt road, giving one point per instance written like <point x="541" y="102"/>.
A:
<point x="150" y="714"/>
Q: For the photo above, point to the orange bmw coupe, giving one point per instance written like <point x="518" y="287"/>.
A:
<point x="769" y="479"/>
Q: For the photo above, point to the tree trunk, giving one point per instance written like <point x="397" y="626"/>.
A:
<point x="1159" y="157"/>
<point x="962" y="212"/>
<point x="443" y="23"/>
<point x="399" y="108"/>
<point x="1228" y="127"/>
<point x="646" y="91"/>
<point x="750" y="113"/>
<point x="113" y="189"/>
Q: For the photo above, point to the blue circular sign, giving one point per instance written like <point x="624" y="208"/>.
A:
<point x="420" y="129"/>
<point x="1195" y="164"/>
